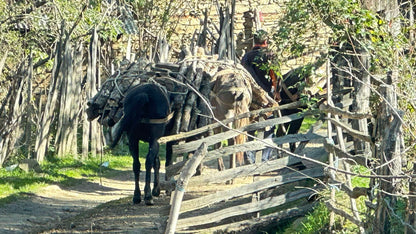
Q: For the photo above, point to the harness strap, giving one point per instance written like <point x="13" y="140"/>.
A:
<point x="158" y="121"/>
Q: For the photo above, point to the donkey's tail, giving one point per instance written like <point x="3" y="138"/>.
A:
<point x="133" y="106"/>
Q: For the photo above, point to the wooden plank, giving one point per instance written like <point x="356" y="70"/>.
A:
<point x="251" y="145"/>
<point x="191" y="146"/>
<point x="224" y="195"/>
<point x="343" y="113"/>
<point x="360" y="159"/>
<point x="204" y="129"/>
<point x="316" y="153"/>
<point x="247" y="170"/>
<point x="352" y="132"/>
<point x="244" y="209"/>
<point x="263" y="220"/>
<point x="259" y="145"/>
<point x="317" y="125"/>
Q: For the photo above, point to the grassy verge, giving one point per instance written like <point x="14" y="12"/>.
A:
<point x="67" y="171"/>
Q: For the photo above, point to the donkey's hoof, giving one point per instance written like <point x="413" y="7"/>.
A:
<point x="136" y="200"/>
<point x="156" y="192"/>
<point x="149" y="202"/>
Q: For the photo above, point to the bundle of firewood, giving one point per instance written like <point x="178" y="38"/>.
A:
<point x="188" y="83"/>
<point x="108" y="102"/>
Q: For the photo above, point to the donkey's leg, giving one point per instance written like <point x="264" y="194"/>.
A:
<point x="232" y="162"/>
<point x="168" y="162"/>
<point x="231" y="141"/>
<point x="293" y="129"/>
<point x="156" y="168"/>
<point x="150" y="159"/>
<point x="134" y="151"/>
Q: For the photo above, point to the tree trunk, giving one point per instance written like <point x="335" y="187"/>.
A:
<point x="66" y="142"/>
<point x="42" y="139"/>
<point x="13" y="116"/>
<point x="85" y="128"/>
<point x="65" y="102"/>
<point x="78" y="101"/>
<point x="92" y="81"/>
<point x="29" y="109"/>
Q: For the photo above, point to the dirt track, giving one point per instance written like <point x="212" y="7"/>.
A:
<point x="94" y="207"/>
<point x="86" y="207"/>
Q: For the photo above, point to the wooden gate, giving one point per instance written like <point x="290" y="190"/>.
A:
<point x="254" y="194"/>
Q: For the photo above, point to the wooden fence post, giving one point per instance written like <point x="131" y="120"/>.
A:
<point x="343" y="148"/>
<point x="92" y="79"/>
<point x="187" y="172"/>
<point x="361" y="98"/>
<point x="388" y="152"/>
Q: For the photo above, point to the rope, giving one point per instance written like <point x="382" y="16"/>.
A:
<point x="163" y="88"/>
<point x="116" y="85"/>
<point x="176" y="81"/>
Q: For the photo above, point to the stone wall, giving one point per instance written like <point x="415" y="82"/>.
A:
<point x="270" y="11"/>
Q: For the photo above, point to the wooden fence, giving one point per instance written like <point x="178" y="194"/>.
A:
<point x="253" y="194"/>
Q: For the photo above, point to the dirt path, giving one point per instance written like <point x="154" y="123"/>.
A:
<point x="86" y="207"/>
<point x="97" y="207"/>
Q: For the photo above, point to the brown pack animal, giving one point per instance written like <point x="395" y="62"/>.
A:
<point x="230" y="96"/>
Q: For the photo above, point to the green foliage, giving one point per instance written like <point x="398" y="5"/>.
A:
<point x="345" y="22"/>
<point x="308" y="121"/>
<point x="102" y="15"/>
<point x="398" y="216"/>
<point x="313" y="222"/>
<point x="360" y="181"/>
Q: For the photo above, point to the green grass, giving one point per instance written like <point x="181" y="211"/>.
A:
<point x="314" y="222"/>
<point x="66" y="171"/>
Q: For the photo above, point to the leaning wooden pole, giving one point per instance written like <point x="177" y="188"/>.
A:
<point x="341" y="144"/>
<point x="330" y="155"/>
<point x="187" y="172"/>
